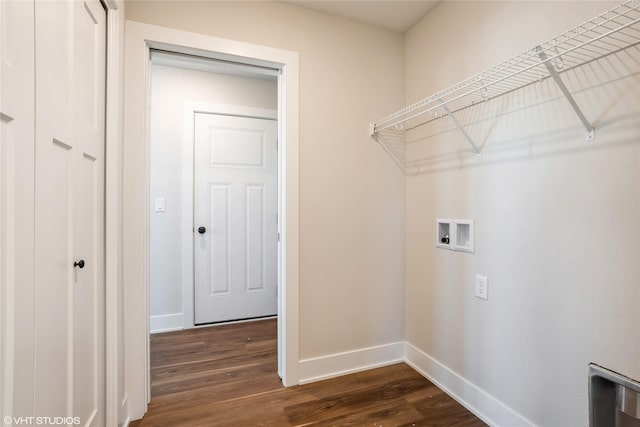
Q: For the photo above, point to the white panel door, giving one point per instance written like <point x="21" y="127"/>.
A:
<point x="235" y="218"/>
<point x="88" y="233"/>
<point x="16" y="207"/>
<point x="69" y="221"/>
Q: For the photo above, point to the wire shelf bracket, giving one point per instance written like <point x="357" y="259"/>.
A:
<point x="610" y="32"/>
<point x="464" y="132"/>
<point x="591" y="132"/>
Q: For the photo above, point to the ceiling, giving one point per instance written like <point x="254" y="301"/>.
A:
<point x="395" y="15"/>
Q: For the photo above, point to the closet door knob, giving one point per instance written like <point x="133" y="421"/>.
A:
<point x="79" y="264"/>
<point x="202" y="230"/>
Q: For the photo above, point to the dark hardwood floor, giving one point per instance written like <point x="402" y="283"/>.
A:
<point x="226" y="376"/>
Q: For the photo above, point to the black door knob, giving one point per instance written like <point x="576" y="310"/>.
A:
<point x="79" y="263"/>
<point x="202" y="230"/>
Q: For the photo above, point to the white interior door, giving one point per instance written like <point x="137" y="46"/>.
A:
<point x="235" y="218"/>
<point x="69" y="196"/>
<point x="16" y="207"/>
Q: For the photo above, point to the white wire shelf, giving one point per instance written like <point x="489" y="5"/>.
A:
<point x="610" y="32"/>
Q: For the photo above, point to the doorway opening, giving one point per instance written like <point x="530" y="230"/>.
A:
<point x="140" y="40"/>
<point x="214" y="192"/>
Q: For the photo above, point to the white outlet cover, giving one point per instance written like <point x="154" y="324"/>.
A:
<point x="482" y="287"/>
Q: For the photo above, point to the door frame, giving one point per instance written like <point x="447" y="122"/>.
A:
<point x="140" y="39"/>
<point x="188" y="196"/>
<point x="116" y="411"/>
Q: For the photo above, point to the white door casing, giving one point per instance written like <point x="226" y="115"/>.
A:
<point x="69" y="197"/>
<point x="235" y="201"/>
<point x="140" y="38"/>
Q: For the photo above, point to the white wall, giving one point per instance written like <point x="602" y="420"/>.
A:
<point x="557" y="219"/>
<point x="351" y="196"/>
<point x="171" y="88"/>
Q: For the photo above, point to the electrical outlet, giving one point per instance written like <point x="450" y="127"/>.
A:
<point x="482" y="287"/>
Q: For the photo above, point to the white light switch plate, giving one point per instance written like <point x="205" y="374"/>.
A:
<point x="482" y="287"/>
<point x="159" y="204"/>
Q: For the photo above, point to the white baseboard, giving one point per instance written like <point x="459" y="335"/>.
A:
<point x="483" y="405"/>
<point x="165" y="323"/>
<point x="334" y="365"/>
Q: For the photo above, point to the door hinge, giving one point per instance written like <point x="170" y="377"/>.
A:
<point x="278" y="237"/>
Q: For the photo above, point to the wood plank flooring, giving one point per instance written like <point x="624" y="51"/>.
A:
<point x="226" y="376"/>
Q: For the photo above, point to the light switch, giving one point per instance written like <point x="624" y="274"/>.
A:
<point x="159" y="204"/>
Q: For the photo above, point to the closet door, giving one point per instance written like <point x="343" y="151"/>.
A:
<point x="69" y="221"/>
<point x="16" y="207"/>
<point x="88" y="217"/>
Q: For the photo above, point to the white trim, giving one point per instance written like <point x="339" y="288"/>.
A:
<point x="235" y="322"/>
<point x="165" y="323"/>
<point x="348" y="362"/>
<point x="212" y="66"/>
<point x="190" y="109"/>
<point x="113" y="209"/>
<point x="111" y="4"/>
<point x="482" y="404"/>
<point x="139" y="39"/>
<point x="188" y="291"/>
<point x="229" y="110"/>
